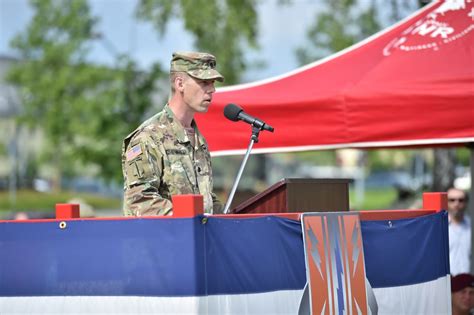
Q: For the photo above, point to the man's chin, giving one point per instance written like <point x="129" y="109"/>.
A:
<point x="204" y="107"/>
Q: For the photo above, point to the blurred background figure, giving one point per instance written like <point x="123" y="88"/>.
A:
<point x="21" y="216"/>
<point x="28" y="215"/>
<point x="459" y="232"/>
<point x="86" y="210"/>
<point x="462" y="294"/>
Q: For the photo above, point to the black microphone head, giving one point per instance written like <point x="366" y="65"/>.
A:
<point x="232" y="111"/>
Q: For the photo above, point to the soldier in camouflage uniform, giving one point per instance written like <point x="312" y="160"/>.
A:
<point x="167" y="155"/>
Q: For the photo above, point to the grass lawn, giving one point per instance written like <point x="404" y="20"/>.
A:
<point x="374" y="199"/>
<point x="29" y="200"/>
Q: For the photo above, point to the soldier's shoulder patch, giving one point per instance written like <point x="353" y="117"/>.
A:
<point x="133" y="152"/>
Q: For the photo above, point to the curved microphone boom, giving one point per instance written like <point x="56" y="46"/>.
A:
<point x="235" y="113"/>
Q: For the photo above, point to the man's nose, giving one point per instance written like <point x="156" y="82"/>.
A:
<point x="211" y="88"/>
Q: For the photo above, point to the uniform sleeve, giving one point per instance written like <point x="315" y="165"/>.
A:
<point x="142" y="165"/>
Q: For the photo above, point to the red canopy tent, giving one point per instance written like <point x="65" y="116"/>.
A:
<point x="411" y="84"/>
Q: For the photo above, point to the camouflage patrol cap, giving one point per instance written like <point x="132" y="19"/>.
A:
<point x="196" y="64"/>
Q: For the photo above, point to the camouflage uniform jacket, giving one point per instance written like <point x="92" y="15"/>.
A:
<point x="158" y="161"/>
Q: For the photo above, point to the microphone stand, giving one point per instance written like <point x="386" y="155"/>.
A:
<point x="253" y="139"/>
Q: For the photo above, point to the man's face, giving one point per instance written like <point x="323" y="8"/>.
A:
<point x="462" y="300"/>
<point x="456" y="202"/>
<point x="198" y="94"/>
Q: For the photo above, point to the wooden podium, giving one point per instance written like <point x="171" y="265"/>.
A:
<point x="299" y="195"/>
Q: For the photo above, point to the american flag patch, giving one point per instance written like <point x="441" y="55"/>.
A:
<point x="133" y="152"/>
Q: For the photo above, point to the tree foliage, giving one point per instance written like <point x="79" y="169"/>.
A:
<point x="340" y="24"/>
<point x="225" y="28"/>
<point x="343" y="23"/>
<point x="83" y="109"/>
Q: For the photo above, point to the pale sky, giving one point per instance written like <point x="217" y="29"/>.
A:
<point x="281" y="30"/>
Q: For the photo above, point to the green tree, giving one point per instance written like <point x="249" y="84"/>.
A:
<point x="341" y="24"/>
<point x="83" y="109"/>
<point x="115" y="113"/>
<point x="225" y="28"/>
<point x="49" y="84"/>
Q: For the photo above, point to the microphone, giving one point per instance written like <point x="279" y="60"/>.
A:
<point x="235" y="113"/>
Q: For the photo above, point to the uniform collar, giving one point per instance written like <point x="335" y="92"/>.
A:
<point x="464" y="220"/>
<point x="179" y="130"/>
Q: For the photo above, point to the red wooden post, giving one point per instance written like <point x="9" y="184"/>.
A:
<point x="435" y="201"/>
<point x="67" y="211"/>
<point x="187" y="206"/>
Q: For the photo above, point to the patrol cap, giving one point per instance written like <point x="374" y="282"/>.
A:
<point x="197" y="64"/>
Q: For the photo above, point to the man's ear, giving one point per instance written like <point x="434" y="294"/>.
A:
<point x="179" y="83"/>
